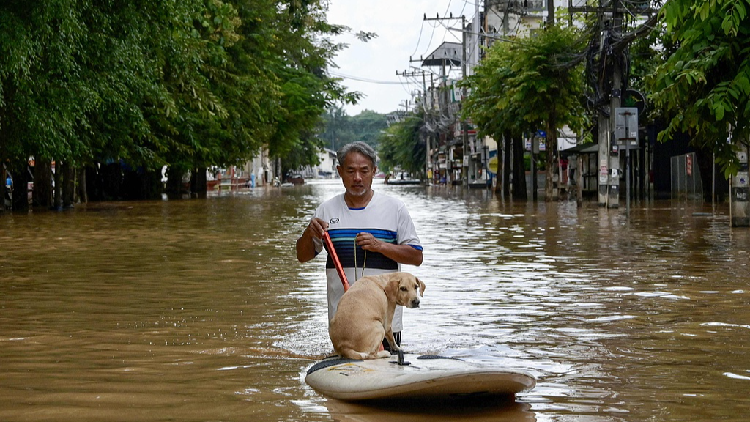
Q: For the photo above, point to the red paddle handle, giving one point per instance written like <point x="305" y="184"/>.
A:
<point x="336" y="262"/>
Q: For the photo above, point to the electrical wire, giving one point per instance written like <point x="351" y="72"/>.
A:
<point x="367" y="80"/>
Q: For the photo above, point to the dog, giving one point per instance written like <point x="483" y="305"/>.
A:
<point x="364" y="314"/>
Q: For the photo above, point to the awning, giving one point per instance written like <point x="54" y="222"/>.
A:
<point x="588" y="148"/>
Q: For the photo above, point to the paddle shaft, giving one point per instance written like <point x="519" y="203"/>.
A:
<point x="336" y="262"/>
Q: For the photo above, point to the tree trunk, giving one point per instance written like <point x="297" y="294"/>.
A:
<point x="94" y="182"/>
<point x="69" y="183"/>
<point x="42" y="195"/>
<point x="57" y="202"/>
<point x="83" y="196"/>
<point x="21" y="179"/>
<point x="579" y="181"/>
<point x="551" y="191"/>
<point x="199" y="183"/>
<point x="507" y="159"/>
<point x="519" y="169"/>
<point x="174" y="183"/>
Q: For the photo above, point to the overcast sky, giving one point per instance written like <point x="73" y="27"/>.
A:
<point x="370" y="67"/>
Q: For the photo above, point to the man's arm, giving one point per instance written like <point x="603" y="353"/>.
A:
<point x="403" y="254"/>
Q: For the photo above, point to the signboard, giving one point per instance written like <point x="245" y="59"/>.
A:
<point x="541" y="144"/>
<point x="742" y="179"/>
<point x="603" y="172"/>
<point x="492" y="165"/>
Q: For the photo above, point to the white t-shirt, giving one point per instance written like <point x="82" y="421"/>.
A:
<point x="387" y="219"/>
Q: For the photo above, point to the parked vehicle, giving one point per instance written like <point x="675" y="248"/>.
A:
<point x="295" y="179"/>
<point x="401" y="178"/>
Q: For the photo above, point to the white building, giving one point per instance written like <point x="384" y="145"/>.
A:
<point x="325" y="170"/>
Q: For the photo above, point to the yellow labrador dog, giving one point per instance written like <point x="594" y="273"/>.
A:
<point x="364" y="314"/>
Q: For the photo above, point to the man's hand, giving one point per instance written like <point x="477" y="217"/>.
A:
<point x="305" y="246"/>
<point x="403" y="254"/>
<point x="368" y="242"/>
<point x="317" y="227"/>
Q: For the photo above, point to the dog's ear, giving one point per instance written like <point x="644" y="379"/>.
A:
<point x="421" y="286"/>
<point x="392" y="284"/>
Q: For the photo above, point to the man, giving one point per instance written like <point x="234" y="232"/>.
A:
<point x="371" y="232"/>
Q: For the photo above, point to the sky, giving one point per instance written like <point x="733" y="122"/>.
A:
<point x="370" y="67"/>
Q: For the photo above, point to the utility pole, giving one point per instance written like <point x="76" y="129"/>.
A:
<point x="427" y="147"/>
<point x="464" y="126"/>
<point x="612" y="42"/>
<point x="608" y="156"/>
<point x="613" y="199"/>
<point x="553" y="160"/>
<point x="428" y="119"/>
<point x="550" y="12"/>
<point x="424" y="137"/>
<point x="462" y="122"/>
<point x="414" y="74"/>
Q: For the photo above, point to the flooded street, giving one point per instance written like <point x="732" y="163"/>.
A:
<point x="197" y="310"/>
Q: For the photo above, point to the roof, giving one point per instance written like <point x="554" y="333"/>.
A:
<point x="446" y="53"/>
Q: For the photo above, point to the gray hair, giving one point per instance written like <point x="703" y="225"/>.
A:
<point x="359" y="147"/>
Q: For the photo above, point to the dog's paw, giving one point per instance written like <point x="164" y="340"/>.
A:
<point x="383" y="354"/>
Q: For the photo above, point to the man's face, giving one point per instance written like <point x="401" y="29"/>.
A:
<point x="357" y="172"/>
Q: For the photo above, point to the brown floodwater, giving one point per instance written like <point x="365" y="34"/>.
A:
<point x="197" y="310"/>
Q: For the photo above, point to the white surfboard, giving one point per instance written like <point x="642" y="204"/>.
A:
<point x="426" y="376"/>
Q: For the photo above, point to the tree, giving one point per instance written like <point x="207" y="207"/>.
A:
<point x="401" y="146"/>
<point x="339" y="129"/>
<point x="703" y="88"/>
<point x="143" y="84"/>
<point x="85" y="81"/>
<point x="525" y="83"/>
<point x="367" y="126"/>
<point x="304" y="51"/>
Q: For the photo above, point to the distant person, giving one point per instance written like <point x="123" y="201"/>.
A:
<point x="8" y="197"/>
<point x="371" y="232"/>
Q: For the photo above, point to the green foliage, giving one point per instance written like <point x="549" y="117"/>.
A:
<point x="401" y="147"/>
<point x="188" y="83"/>
<point x="704" y="85"/>
<point x="646" y="53"/>
<point x="525" y="82"/>
<point x="339" y="129"/>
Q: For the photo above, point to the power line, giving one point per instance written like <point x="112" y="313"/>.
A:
<point x="419" y="39"/>
<point x="367" y="80"/>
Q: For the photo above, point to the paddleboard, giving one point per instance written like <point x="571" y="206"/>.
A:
<point x="425" y="376"/>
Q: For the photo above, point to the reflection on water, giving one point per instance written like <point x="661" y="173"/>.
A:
<point x="198" y="310"/>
